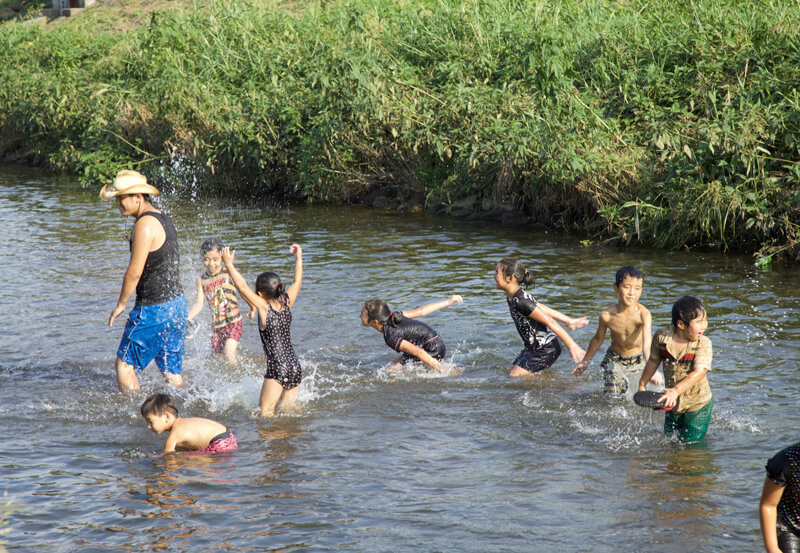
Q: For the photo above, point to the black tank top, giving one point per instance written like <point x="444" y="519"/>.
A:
<point x="161" y="278"/>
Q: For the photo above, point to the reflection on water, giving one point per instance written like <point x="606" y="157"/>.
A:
<point x="374" y="461"/>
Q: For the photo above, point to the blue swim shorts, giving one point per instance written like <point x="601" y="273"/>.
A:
<point x="535" y="360"/>
<point x="155" y="332"/>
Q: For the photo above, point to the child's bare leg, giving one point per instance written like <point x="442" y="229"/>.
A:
<point x="230" y="351"/>
<point x="174" y="379"/>
<point x="518" y="372"/>
<point x="271" y="392"/>
<point x="126" y="376"/>
<point x="289" y="398"/>
<point x="396" y="365"/>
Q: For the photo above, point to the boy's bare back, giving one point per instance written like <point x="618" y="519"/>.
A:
<point x="192" y="433"/>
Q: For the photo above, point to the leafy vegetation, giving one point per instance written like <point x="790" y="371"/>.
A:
<point x="672" y="123"/>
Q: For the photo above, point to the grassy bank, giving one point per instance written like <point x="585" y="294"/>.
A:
<point x="669" y="123"/>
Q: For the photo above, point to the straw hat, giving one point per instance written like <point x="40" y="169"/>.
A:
<point x="127" y="182"/>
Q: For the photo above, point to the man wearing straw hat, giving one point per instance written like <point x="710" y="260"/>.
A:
<point x="156" y="326"/>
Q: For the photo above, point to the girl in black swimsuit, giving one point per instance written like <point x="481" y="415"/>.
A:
<point x="274" y="305"/>
<point x="414" y="339"/>
<point x="536" y="323"/>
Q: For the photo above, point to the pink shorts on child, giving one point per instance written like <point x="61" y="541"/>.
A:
<point x="221" y="443"/>
<point x="221" y="335"/>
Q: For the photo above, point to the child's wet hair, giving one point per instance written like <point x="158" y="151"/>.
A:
<point x="157" y="404"/>
<point x="211" y="245"/>
<point x="269" y="285"/>
<point x="378" y="310"/>
<point x="510" y="266"/>
<point x="686" y="310"/>
<point x="627" y="271"/>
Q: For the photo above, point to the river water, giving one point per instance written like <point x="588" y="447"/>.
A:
<point x="373" y="461"/>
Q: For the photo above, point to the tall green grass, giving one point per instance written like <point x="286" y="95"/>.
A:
<point x="672" y="123"/>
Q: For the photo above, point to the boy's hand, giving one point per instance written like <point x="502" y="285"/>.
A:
<point x="455" y="298"/>
<point x="578" y="323"/>
<point x="227" y="255"/>
<point x="580" y="366"/>
<point x="252" y="314"/>
<point x="670" y="397"/>
<point x="296" y="250"/>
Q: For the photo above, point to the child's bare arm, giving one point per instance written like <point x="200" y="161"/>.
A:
<point x="431" y="307"/>
<point x="238" y="280"/>
<point x="649" y="370"/>
<point x="143" y="237"/>
<point x="294" y="289"/>
<point x="671" y="394"/>
<point x="544" y="317"/>
<point x="594" y="345"/>
<point x="572" y="323"/>
<point x="198" y="302"/>
<point x="253" y="310"/>
<point x="421" y="354"/>
<point x="647" y="333"/>
<point x="172" y="439"/>
<point x="768" y="513"/>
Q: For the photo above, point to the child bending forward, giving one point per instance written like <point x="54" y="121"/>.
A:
<point x="197" y="435"/>
<point x="414" y="339"/>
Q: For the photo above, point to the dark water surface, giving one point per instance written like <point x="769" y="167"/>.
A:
<point x="374" y="462"/>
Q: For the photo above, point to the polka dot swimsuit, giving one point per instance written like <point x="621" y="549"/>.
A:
<point x="784" y="470"/>
<point x="282" y="364"/>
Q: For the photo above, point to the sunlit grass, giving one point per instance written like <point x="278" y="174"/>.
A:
<point x="660" y="122"/>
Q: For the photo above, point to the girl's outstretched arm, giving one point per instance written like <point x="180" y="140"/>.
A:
<point x="544" y="317"/>
<point x="421" y="354"/>
<point x="431" y="307"/>
<point x="238" y="280"/>
<point x="573" y="324"/>
<point x="294" y="289"/>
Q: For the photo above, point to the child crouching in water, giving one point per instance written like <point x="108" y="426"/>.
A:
<point x="686" y="355"/>
<point x="274" y="305"/>
<point x="216" y="286"/>
<point x="197" y="435"/>
<point x="414" y="339"/>
<point x="536" y="323"/>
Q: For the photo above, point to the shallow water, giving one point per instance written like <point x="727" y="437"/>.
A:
<point x="374" y="462"/>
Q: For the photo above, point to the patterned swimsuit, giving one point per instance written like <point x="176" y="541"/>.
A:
<point x="282" y="364"/>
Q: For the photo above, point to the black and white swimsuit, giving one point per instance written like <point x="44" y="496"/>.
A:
<point x="282" y="364"/>
<point x="541" y="346"/>
<point x="535" y="335"/>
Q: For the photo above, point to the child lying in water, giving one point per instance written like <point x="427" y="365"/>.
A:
<point x="196" y="435"/>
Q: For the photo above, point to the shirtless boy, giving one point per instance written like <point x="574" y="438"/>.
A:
<point x="630" y="326"/>
<point x="195" y="435"/>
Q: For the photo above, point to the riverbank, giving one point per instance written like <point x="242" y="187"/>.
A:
<point x="644" y="122"/>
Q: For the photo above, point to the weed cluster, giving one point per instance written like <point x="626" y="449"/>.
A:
<point x="660" y="122"/>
